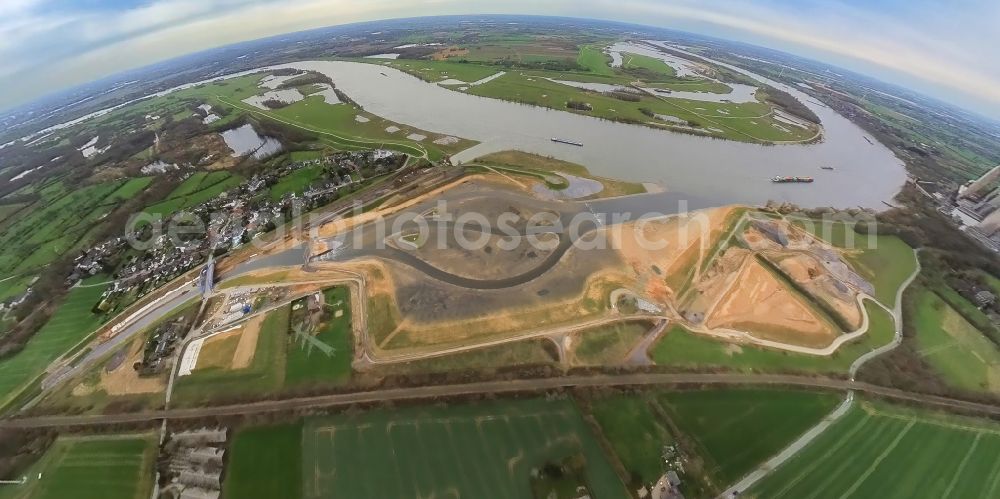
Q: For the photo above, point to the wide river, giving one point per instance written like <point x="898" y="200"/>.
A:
<point x="865" y="174"/>
<point x="720" y="171"/>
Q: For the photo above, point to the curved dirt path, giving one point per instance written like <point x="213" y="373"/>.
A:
<point x="897" y="318"/>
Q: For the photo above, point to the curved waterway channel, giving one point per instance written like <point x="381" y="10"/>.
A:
<point x="865" y="173"/>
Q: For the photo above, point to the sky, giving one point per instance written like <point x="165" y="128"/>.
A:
<point x="943" y="48"/>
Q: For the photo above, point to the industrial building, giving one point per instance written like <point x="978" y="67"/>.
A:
<point x="980" y="198"/>
<point x="978" y="205"/>
<point x="195" y="460"/>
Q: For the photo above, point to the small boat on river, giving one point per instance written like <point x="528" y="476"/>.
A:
<point x="791" y="180"/>
<point x="565" y="141"/>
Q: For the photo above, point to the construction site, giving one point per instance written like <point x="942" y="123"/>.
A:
<point x="733" y="272"/>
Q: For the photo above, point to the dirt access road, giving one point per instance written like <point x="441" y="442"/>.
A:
<point x="493" y="387"/>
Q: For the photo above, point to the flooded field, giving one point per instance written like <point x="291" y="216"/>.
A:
<point x="738" y="95"/>
<point x="682" y="66"/>
<point x="284" y="96"/>
<point x="245" y="141"/>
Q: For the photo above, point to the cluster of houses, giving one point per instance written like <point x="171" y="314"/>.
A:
<point x="669" y="484"/>
<point x="981" y="295"/>
<point x="194" y="464"/>
<point x="230" y="220"/>
<point x="161" y="345"/>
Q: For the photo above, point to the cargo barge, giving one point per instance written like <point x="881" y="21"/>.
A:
<point x="789" y="180"/>
<point x="564" y="141"/>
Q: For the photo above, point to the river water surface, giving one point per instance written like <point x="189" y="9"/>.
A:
<point x="713" y="170"/>
<point x="723" y="171"/>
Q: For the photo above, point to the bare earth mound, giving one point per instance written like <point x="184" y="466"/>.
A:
<point x="763" y="306"/>
<point x="248" y="343"/>
<point x="124" y="380"/>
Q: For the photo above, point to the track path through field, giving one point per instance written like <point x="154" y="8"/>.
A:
<point x="795" y="447"/>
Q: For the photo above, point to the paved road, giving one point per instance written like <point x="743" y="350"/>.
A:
<point x="136" y="323"/>
<point x="639" y="355"/>
<point x="897" y="317"/>
<point x="495" y="387"/>
<point x="790" y="451"/>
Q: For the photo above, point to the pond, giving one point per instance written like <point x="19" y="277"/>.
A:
<point x="245" y="141"/>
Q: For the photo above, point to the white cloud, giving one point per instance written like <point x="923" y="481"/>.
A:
<point x="946" y="49"/>
<point x="921" y="49"/>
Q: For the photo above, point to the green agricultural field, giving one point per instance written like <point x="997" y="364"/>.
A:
<point x="953" y="347"/>
<point x="443" y="70"/>
<point x="338" y="124"/>
<point x="520" y="353"/>
<point x="636" y="434"/>
<point x="519" y="49"/>
<point x="968" y="310"/>
<point x="264" y="375"/>
<point x="61" y="221"/>
<point x="480" y="450"/>
<point x="737" y="429"/>
<point x="10" y="209"/>
<point x="683" y="349"/>
<point x="296" y="182"/>
<point x="296" y="156"/>
<point x="636" y="61"/>
<point x="308" y="366"/>
<point x="71" y="324"/>
<point x="878" y="450"/>
<point x="280" y="361"/>
<point x="14" y="286"/>
<point x="748" y="122"/>
<point x="196" y="182"/>
<point x="95" y="467"/>
<point x="607" y="345"/>
<point x="886" y="261"/>
<point x="130" y="189"/>
<point x="265" y="462"/>
<point x="197" y="189"/>
<point x="592" y="58"/>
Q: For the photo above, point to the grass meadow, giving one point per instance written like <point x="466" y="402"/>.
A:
<point x="480" y="450"/>
<point x="265" y="462"/>
<point x="635" y="432"/>
<point x="887" y="452"/>
<point x="686" y="350"/>
<point x="736" y="429"/>
<point x="91" y="467"/>
<point x="304" y="367"/>
<point x="72" y="323"/>
<point x="885" y="261"/>
<point x="280" y="361"/>
<point x="953" y="347"/>
<point x="265" y="374"/>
